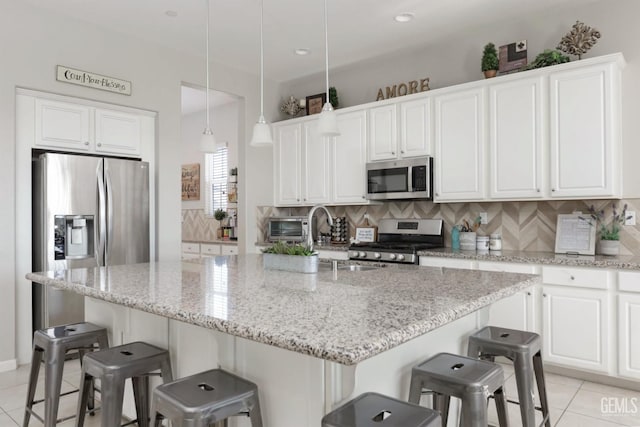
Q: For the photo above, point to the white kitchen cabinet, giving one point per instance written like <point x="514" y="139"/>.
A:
<point x="412" y="138"/>
<point x="383" y="132"/>
<point x="209" y="249"/>
<point x="519" y="310"/>
<point x="516" y="138"/>
<point x="316" y="168"/>
<point x="228" y="249"/>
<point x="190" y="250"/>
<point x="349" y="159"/>
<point x="117" y="132"/>
<point x="584" y="131"/>
<point x="310" y="169"/>
<point x="629" y="324"/>
<point x="575" y="327"/>
<point x="287" y="153"/>
<point x="62" y="125"/>
<point x="459" y="145"/>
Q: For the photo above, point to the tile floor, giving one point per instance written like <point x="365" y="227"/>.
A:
<point x="574" y="403"/>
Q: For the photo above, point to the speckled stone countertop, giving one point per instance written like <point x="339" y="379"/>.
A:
<point x="627" y="262"/>
<point x="345" y="319"/>
<point x="335" y="248"/>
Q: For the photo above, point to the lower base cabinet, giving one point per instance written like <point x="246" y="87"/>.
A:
<point x="575" y="328"/>
<point x="629" y="336"/>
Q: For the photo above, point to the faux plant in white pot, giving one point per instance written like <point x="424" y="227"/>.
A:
<point x="609" y="243"/>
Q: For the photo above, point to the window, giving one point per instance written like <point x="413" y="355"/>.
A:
<point x="216" y="180"/>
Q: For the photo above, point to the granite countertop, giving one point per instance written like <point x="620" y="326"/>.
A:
<point x="627" y="262"/>
<point x="342" y="247"/>
<point x="346" y="320"/>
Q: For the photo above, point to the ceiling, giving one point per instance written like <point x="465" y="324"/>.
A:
<point x="194" y="100"/>
<point x="358" y="29"/>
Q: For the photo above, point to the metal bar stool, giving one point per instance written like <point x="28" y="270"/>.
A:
<point x="205" y="398"/>
<point x="376" y="410"/>
<point x="523" y="349"/>
<point x="52" y="344"/>
<point x="473" y="381"/>
<point x="135" y="360"/>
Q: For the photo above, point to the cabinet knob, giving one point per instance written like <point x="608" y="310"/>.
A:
<point x="393" y="153"/>
<point x="553" y="189"/>
<point x="537" y="190"/>
<point x="99" y="144"/>
<point x="437" y="194"/>
<point x="86" y="143"/>
<point x="572" y="277"/>
<point x="401" y="151"/>
<point x="297" y="200"/>
<point x="544" y="295"/>
<point x="363" y="196"/>
<point x="305" y="199"/>
<point x="529" y="293"/>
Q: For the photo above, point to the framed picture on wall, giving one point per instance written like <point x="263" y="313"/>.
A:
<point x="191" y="182"/>
<point x="315" y="102"/>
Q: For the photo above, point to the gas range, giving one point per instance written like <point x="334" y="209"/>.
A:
<point x="400" y="240"/>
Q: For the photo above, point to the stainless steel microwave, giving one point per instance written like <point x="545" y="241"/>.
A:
<point x="400" y="179"/>
<point x="288" y="228"/>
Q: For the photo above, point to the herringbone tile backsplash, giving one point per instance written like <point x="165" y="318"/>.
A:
<point x="526" y="226"/>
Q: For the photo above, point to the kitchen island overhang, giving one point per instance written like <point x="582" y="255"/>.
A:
<point x="345" y="319"/>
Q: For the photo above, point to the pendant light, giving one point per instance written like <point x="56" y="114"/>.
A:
<point x="208" y="141"/>
<point x="261" y="130"/>
<point x="328" y="122"/>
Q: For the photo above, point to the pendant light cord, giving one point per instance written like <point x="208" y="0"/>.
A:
<point x="326" y="48"/>
<point x="207" y="93"/>
<point x="261" y="59"/>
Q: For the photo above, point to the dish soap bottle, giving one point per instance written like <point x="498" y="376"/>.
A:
<point x="455" y="238"/>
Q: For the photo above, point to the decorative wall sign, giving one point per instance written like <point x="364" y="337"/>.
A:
<point x="512" y="57"/>
<point x="402" y="89"/>
<point x="191" y="182"/>
<point x="315" y="103"/>
<point x="93" y="80"/>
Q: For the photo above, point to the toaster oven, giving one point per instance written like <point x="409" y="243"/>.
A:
<point x="288" y="228"/>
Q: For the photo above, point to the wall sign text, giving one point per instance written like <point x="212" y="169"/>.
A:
<point x="402" y="89"/>
<point x="93" y="80"/>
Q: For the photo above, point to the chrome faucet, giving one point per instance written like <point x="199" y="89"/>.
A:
<point x="310" y="219"/>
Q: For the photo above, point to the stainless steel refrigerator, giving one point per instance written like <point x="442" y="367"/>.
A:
<point x="87" y="211"/>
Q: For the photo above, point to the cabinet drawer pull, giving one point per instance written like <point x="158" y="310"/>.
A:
<point x="553" y="189"/>
<point x="86" y="143"/>
<point x="572" y="277"/>
<point x="537" y="190"/>
<point x="401" y="151"/>
<point x="529" y="293"/>
<point x="544" y="295"/>
<point x="393" y="153"/>
<point x="99" y="144"/>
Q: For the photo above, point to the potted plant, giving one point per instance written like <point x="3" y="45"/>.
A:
<point x="296" y="258"/>
<point x="490" y="60"/>
<point x="547" y="58"/>
<point x="609" y="231"/>
<point x="219" y="215"/>
<point x="333" y="97"/>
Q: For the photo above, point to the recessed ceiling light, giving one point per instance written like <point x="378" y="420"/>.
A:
<point x="404" y="17"/>
<point x="171" y="13"/>
<point x="302" y="51"/>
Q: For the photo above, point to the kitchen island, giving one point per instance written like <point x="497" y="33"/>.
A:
<point x="310" y="341"/>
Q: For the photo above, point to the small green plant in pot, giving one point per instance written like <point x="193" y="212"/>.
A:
<point x="547" y="58"/>
<point x="490" y="60"/>
<point x="295" y="258"/>
<point x="219" y="215"/>
<point x="609" y="231"/>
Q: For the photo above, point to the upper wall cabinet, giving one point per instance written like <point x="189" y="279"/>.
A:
<point x="117" y="132"/>
<point x="412" y="138"/>
<point x="75" y="127"/>
<point x="309" y="169"/>
<point x="62" y="125"/>
<point x="459" y="145"/>
<point x="516" y="139"/>
<point x="584" y="132"/>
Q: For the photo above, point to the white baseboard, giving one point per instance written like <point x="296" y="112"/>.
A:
<point x="8" y="365"/>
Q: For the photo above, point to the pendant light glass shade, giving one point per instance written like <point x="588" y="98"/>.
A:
<point x="261" y="130"/>
<point x="328" y="121"/>
<point x="208" y="141"/>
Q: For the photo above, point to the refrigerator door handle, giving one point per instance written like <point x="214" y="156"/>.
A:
<point x="109" y="194"/>
<point x="102" y="227"/>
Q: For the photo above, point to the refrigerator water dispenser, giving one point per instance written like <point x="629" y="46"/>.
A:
<point x="73" y="237"/>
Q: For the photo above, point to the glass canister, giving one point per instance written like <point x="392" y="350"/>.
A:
<point x="495" y="242"/>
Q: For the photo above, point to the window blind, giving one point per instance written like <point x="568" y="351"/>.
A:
<point x="216" y="169"/>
